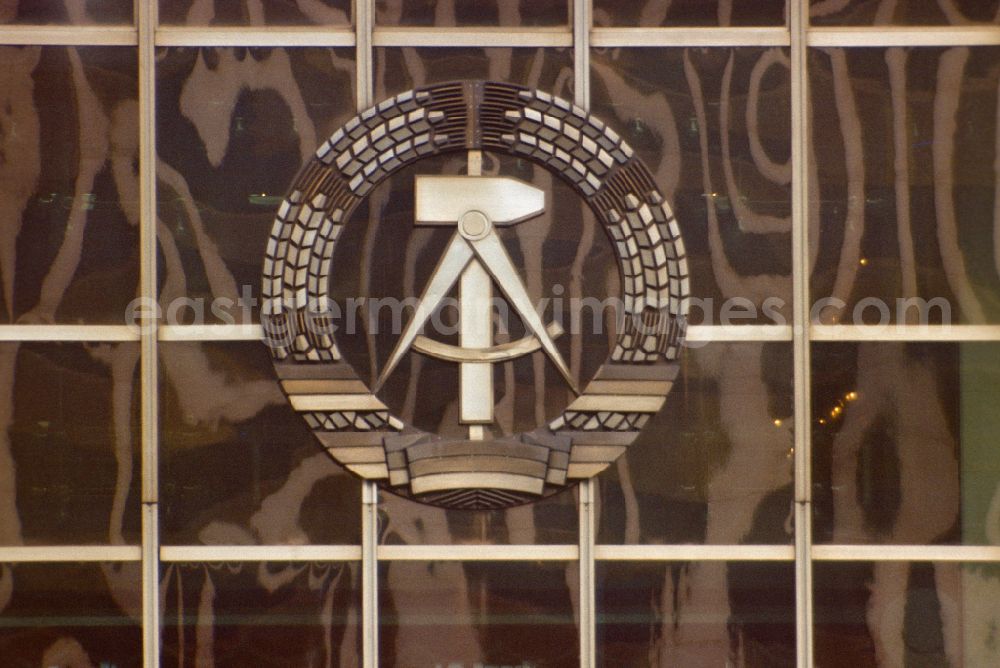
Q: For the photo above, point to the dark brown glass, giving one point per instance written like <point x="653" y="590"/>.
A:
<point x="69" y="442"/>
<point x="671" y="106"/>
<point x="715" y="465"/>
<point x="904" y="447"/>
<point x="513" y="13"/>
<point x="397" y="69"/>
<point x="493" y="613"/>
<point x="903" y="220"/>
<point x="239" y="13"/>
<point x="905" y="613"/>
<point x="68" y="12"/>
<point x="695" y="614"/>
<point x="237" y="465"/>
<point x="903" y="12"/>
<point x="234" y="126"/>
<point x="261" y="614"/>
<point x="71" y="614"/>
<point x="655" y="13"/>
<point x="69" y="199"/>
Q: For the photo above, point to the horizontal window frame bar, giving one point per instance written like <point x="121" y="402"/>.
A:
<point x="231" y="553"/>
<point x="478" y="552"/>
<point x="25" y="333"/>
<point x="683" y="552"/>
<point x="606" y="553"/>
<point x="19" y="554"/>
<point x="89" y="35"/>
<point x="472" y="37"/>
<point x="491" y="36"/>
<point x="886" y="36"/>
<point x="695" y="333"/>
<point x="213" y="332"/>
<point x="968" y="553"/>
<point x="208" y="36"/>
<point x="719" y="333"/>
<point x="903" y="333"/>
<point x="689" y="37"/>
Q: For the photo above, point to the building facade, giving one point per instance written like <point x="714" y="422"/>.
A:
<point x="821" y="486"/>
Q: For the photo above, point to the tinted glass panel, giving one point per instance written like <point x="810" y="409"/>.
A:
<point x="715" y="464"/>
<point x="713" y="127"/>
<point x="237" y="465"/>
<point x="448" y="613"/>
<point x="472" y="13"/>
<point x="261" y="614"/>
<point x="906" y="614"/>
<point x="904" y="440"/>
<point x="695" y="614"/>
<point x="233" y="128"/>
<point x="904" y="145"/>
<point x="69" y="191"/>
<point x="903" y="12"/>
<point x="69" y="443"/>
<point x="398" y="70"/>
<point x="258" y="13"/>
<point x="76" y="12"/>
<point x="652" y="13"/>
<point x="70" y="615"/>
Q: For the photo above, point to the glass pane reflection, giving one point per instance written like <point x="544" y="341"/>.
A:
<point x="654" y="13"/>
<point x="261" y="614"/>
<point x="69" y="452"/>
<point x="903" y="219"/>
<point x="904" y="443"/>
<point x="903" y="12"/>
<point x="69" y="188"/>
<point x="237" y="465"/>
<point x="257" y="13"/>
<point x="494" y="613"/>
<point x="906" y="614"/>
<point x="400" y="69"/>
<point x="715" y="464"/>
<point x="713" y="126"/>
<point x="513" y="13"/>
<point x="70" y="615"/>
<point x="68" y="12"/>
<point x="695" y="614"/>
<point x="233" y="127"/>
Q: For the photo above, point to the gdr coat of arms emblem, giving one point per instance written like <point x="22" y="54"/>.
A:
<point x="484" y="468"/>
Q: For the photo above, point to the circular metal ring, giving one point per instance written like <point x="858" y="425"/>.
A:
<point x="349" y="420"/>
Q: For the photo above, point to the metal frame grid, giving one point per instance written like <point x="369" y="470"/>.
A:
<point x="363" y="36"/>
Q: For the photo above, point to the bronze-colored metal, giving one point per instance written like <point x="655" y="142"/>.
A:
<point x="481" y="471"/>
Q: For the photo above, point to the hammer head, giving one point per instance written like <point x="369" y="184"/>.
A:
<point x="442" y="200"/>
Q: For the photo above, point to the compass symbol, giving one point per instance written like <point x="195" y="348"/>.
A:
<point x="475" y="258"/>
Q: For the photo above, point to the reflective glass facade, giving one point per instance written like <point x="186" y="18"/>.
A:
<point x="822" y="486"/>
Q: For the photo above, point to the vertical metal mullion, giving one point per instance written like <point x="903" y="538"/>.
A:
<point x="588" y="602"/>
<point x="581" y="96"/>
<point x="798" y="23"/>
<point x="146" y="17"/>
<point x="363" y="20"/>
<point x="369" y="574"/>
<point x="581" y="52"/>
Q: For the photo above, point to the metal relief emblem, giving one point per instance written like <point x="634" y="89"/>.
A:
<point x="484" y="469"/>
